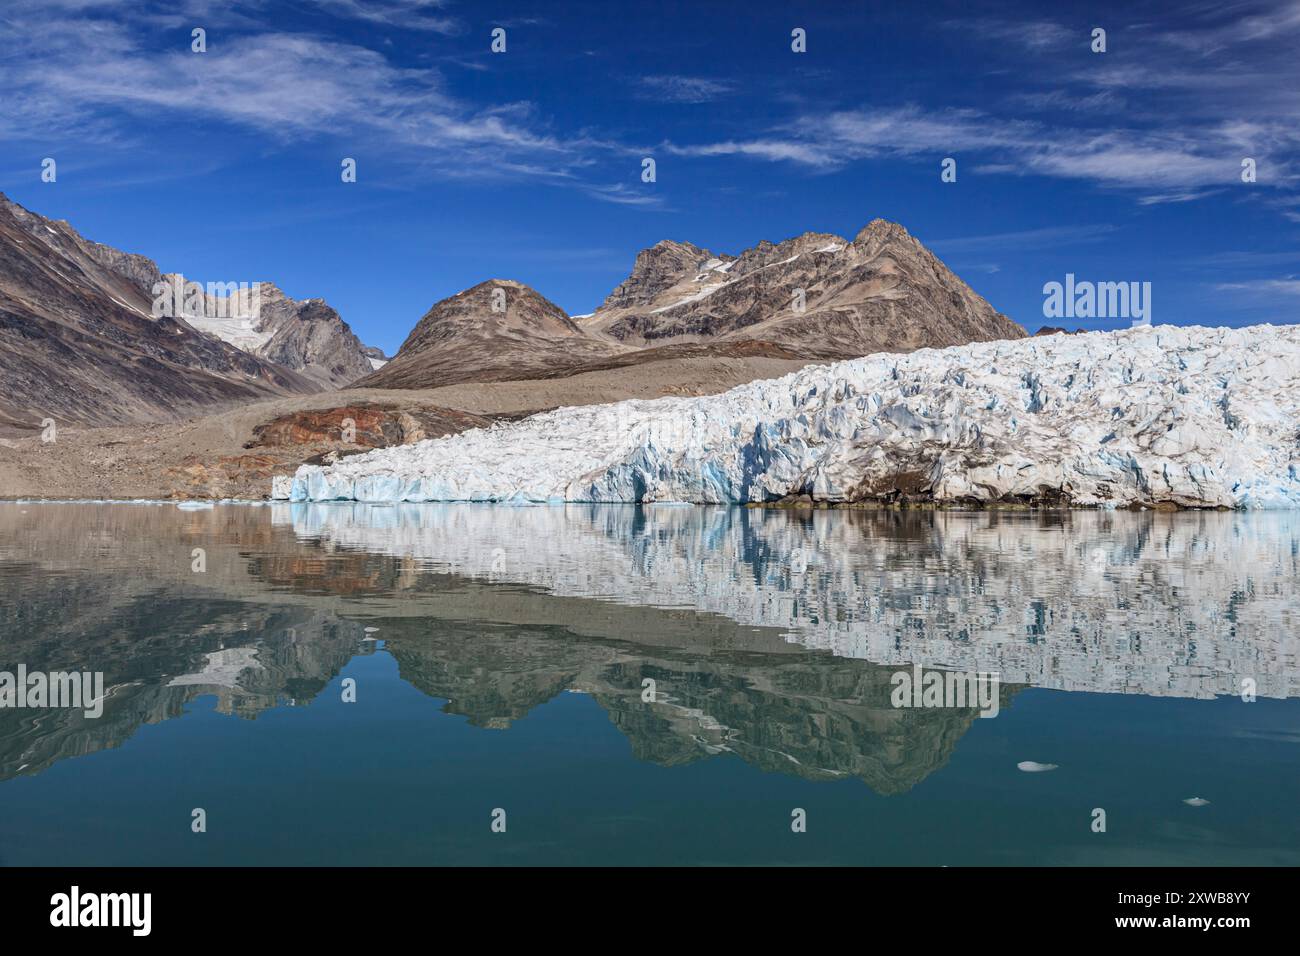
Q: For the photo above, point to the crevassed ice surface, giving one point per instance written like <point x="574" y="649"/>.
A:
<point x="1079" y="603"/>
<point x="1191" y="416"/>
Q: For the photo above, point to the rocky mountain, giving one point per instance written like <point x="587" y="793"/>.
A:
<point x="659" y="268"/>
<point x="497" y="331"/>
<point x="816" y="296"/>
<point x="95" y="335"/>
<point x="80" y="342"/>
<point x="307" y="335"/>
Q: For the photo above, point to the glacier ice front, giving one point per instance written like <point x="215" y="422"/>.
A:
<point x="1199" y="417"/>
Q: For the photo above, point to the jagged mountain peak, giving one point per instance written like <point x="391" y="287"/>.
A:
<point x="882" y="229"/>
<point x="657" y="268"/>
<point x="816" y="294"/>
<point x="766" y="253"/>
<point x="812" y="296"/>
<point x="487" y="285"/>
<point x="306" y="335"/>
<point x="672" y="248"/>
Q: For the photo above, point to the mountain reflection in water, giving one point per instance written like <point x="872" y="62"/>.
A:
<point x="769" y="635"/>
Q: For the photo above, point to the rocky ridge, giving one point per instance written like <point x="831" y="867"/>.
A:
<point x="80" y="341"/>
<point x="815" y="296"/>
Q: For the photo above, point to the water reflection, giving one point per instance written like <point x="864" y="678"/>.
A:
<point x="770" y="635"/>
<point x="1162" y="604"/>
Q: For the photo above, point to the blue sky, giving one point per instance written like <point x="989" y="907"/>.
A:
<point x="1116" y="166"/>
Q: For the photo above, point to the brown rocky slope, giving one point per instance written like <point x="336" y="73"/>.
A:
<point x="78" y="340"/>
<point x="816" y="296"/>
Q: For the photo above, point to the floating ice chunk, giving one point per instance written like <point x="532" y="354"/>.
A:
<point x="1033" y="766"/>
<point x="1196" y="802"/>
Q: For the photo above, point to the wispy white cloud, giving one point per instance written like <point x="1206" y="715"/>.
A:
<point x="1035" y="35"/>
<point x="400" y="14"/>
<point x="1231" y="26"/>
<point x="1184" y="195"/>
<point x="1059" y="101"/>
<point x="1160" y="162"/>
<point x="78" y="76"/>
<point x="624" y="195"/>
<point x="1265" y="288"/>
<point x="682" y="89"/>
<point x="1241" y="258"/>
<point x="1162" y="125"/>
<point x="1169" y="123"/>
<point x="1047" y="237"/>
<point x="1272" y="299"/>
<point x="807" y="153"/>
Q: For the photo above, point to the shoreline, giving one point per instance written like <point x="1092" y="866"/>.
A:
<point x="201" y="504"/>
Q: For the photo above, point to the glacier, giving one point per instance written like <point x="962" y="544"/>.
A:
<point x="1148" y="416"/>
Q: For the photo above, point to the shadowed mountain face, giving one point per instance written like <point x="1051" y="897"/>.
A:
<point x="816" y="296"/>
<point x="79" y="341"/>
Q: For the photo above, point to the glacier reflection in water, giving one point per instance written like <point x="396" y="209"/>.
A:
<point x="501" y="654"/>
<point x="1186" y="604"/>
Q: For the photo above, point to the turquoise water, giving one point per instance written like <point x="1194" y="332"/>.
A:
<point x="499" y="659"/>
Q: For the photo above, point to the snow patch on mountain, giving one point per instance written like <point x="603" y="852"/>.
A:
<point x="243" y="332"/>
<point x="1199" y="417"/>
<point x="696" y="297"/>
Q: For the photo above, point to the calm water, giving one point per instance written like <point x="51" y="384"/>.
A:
<point x="500" y="659"/>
